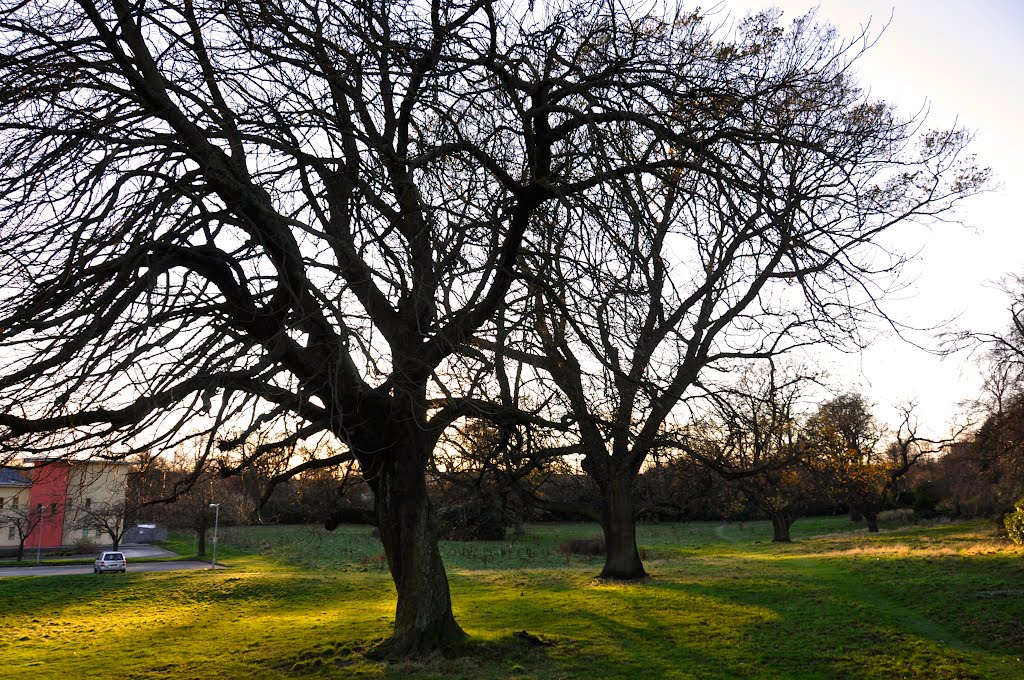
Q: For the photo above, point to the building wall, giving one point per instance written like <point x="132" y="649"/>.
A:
<point x="48" y="499"/>
<point x="94" y="488"/>
<point x="8" y="494"/>
<point x="68" y="494"/>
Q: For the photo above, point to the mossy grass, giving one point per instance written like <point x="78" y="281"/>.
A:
<point x="927" y="601"/>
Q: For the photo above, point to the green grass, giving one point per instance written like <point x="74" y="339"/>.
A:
<point x="932" y="601"/>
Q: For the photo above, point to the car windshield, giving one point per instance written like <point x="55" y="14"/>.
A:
<point x="113" y="556"/>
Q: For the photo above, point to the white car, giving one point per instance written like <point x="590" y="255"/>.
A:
<point x="110" y="561"/>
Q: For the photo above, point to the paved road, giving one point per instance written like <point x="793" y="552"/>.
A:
<point x="70" y="569"/>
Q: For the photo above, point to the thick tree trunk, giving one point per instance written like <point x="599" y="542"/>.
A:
<point x="872" y="519"/>
<point x="424" y="621"/>
<point x="201" y="542"/>
<point x="781" y="522"/>
<point x="622" y="560"/>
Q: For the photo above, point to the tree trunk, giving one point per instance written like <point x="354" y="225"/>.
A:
<point x="424" y="621"/>
<point x="114" y="542"/>
<point x="781" y="522"/>
<point x="21" y="550"/>
<point x="622" y="560"/>
<point x="872" y="519"/>
<point x="201" y="542"/>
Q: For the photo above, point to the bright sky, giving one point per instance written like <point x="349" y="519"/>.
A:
<point x="965" y="61"/>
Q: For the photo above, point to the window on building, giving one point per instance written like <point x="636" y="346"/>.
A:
<point x="99" y="532"/>
<point x="2" y="503"/>
<point x="39" y="510"/>
<point x="53" y="509"/>
<point x="14" y="503"/>
<point x="88" y="503"/>
<point x="85" y="532"/>
<point x="10" y="533"/>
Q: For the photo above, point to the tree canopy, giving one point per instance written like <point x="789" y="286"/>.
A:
<point x="222" y="220"/>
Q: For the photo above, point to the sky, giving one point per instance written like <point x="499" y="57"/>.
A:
<point x="964" y="62"/>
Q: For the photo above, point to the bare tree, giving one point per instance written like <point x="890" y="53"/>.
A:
<point x="22" y="519"/>
<point x="1002" y="352"/>
<point x="641" y="293"/>
<point x="753" y="436"/>
<point x="991" y="478"/>
<point x="111" y="519"/>
<point x="177" y="491"/>
<point x="286" y="217"/>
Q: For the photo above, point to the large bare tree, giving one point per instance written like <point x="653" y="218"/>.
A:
<point x="284" y="216"/>
<point x="773" y="238"/>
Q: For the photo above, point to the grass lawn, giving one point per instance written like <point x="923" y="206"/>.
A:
<point x="931" y="601"/>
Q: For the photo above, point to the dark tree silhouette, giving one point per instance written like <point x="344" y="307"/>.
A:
<point x="287" y="217"/>
<point x="643" y="291"/>
<point x="988" y="476"/>
<point x="753" y="435"/>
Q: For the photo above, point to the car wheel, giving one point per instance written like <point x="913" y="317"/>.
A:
<point x="95" y="570"/>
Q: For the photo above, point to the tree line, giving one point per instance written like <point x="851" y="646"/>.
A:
<point x="760" y="459"/>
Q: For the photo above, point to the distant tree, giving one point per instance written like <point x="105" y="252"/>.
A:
<point x="851" y="455"/>
<point x="999" y="441"/>
<point x="755" y="439"/>
<point x="112" y="519"/>
<point x="678" y="487"/>
<point x="475" y="472"/>
<point x="23" y="519"/>
<point x="313" y="497"/>
<point x="178" y="494"/>
<point x="986" y="476"/>
<point x="769" y="238"/>
<point x="846" y="443"/>
<point x="997" y="455"/>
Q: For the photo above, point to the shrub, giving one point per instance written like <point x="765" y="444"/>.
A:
<point x="1014" y="523"/>
<point x="897" y="515"/>
<point x="475" y="520"/>
<point x="925" y="503"/>
<point x="582" y="546"/>
<point x="84" y="546"/>
<point x="378" y="560"/>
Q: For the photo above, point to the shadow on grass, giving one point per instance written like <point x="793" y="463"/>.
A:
<point x="520" y="654"/>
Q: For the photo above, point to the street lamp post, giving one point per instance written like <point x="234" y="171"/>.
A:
<point x="39" y="529"/>
<point x="216" y="521"/>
